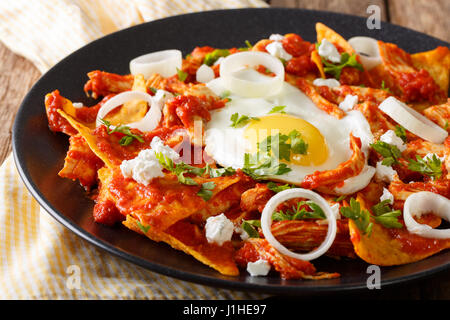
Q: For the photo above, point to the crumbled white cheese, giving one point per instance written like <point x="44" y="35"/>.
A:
<point x="77" y="105"/>
<point x="276" y="37"/>
<point x="161" y="96"/>
<point x="328" y="51"/>
<point x="387" y="196"/>
<point x="330" y="83"/>
<point x="258" y="268"/>
<point x="204" y="74"/>
<point x="219" y="229"/>
<point x="384" y="173"/>
<point x="391" y="138"/>
<point x="243" y="234"/>
<point x="159" y="147"/>
<point x="276" y="49"/>
<point x="348" y="103"/>
<point x="145" y="167"/>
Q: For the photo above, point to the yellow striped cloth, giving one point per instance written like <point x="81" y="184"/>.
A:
<point x="39" y="258"/>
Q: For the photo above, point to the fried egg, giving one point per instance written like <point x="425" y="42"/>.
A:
<point x="328" y="138"/>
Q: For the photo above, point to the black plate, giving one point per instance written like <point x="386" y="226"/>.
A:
<point x="39" y="153"/>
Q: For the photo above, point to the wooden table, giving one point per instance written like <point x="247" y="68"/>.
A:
<point x="17" y="75"/>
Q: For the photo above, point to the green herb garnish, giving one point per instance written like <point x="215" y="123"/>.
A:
<point x="276" y="188"/>
<point x="240" y="121"/>
<point x="382" y="214"/>
<point x="390" y="152"/>
<point x="181" y="75"/>
<point x="206" y="190"/>
<point x="129" y="136"/>
<point x="261" y="165"/>
<point x="432" y="166"/>
<point x="385" y="216"/>
<point x="278" y="109"/>
<point x="346" y="61"/>
<point x="212" y="57"/>
<point x="400" y="132"/>
<point x="299" y="212"/>
<point x="360" y="217"/>
<point x="339" y="199"/>
<point x="279" y="145"/>
<point x="250" y="226"/>
<point x="143" y="228"/>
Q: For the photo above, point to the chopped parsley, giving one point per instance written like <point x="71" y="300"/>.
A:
<point x="143" y="228"/>
<point x="339" y="199"/>
<point x="279" y="145"/>
<point x="278" y="109"/>
<point x="390" y="153"/>
<point x="250" y="226"/>
<point x="299" y="212"/>
<point x="346" y="61"/>
<point x="385" y="216"/>
<point x="360" y="217"/>
<point x="206" y="190"/>
<point x="382" y="214"/>
<point x="260" y="165"/>
<point x="225" y="95"/>
<point x="400" y="132"/>
<point x="432" y="166"/>
<point x="240" y="121"/>
<point x="181" y="75"/>
<point x="272" y="149"/>
<point x="129" y="136"/>
<point x="212" y="57"/>
<point x="384" y="88"/>
<point x="277" y="188"/>
<point x="180" y="169"/>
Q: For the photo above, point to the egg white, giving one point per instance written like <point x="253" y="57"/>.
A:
<point x="227" y="145"/>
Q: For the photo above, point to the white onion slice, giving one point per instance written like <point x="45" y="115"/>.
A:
<point x="426" y="202"/>
<point x="368" y="50"/>
<point x="272" y="204"/>
<point x="356" y="183"/>
<point x="413" y="121"/>
<point x="163" y="62"/>
<point x="247" y="88"/>
<point x="205" y="74"/>
<point x="149" y="122"/>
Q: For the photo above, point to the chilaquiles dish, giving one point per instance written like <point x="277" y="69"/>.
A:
<point x="259" y="159"/>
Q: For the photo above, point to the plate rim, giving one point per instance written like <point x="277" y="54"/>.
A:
<point x="173" y="272"/>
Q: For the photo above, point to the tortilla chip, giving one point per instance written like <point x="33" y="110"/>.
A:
<point x="437" y="63"/>
<point x="390" y="247"/>
<point x="91" y="140"/>
<point x="318" y="61"/>
<point x="324" y="32"/>
<point x="80" y="162"/>
<point x="190" y="239"/>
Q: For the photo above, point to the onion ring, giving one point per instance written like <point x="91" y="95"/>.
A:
<point x="426" y="202"/>
<point x="149" y="122"/>
<point x="252" y="89"/>
<point x="413" y="121"/>
<point x="272" y="204"/>
<point x="368" y="51"/>
<point x="163" y="62"/>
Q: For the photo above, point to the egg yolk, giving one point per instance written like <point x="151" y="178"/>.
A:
<point x="258" y="130"/>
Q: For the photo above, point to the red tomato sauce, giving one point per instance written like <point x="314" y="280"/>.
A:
<point x="56" y="122"/>
<point x="418" y="86"/>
